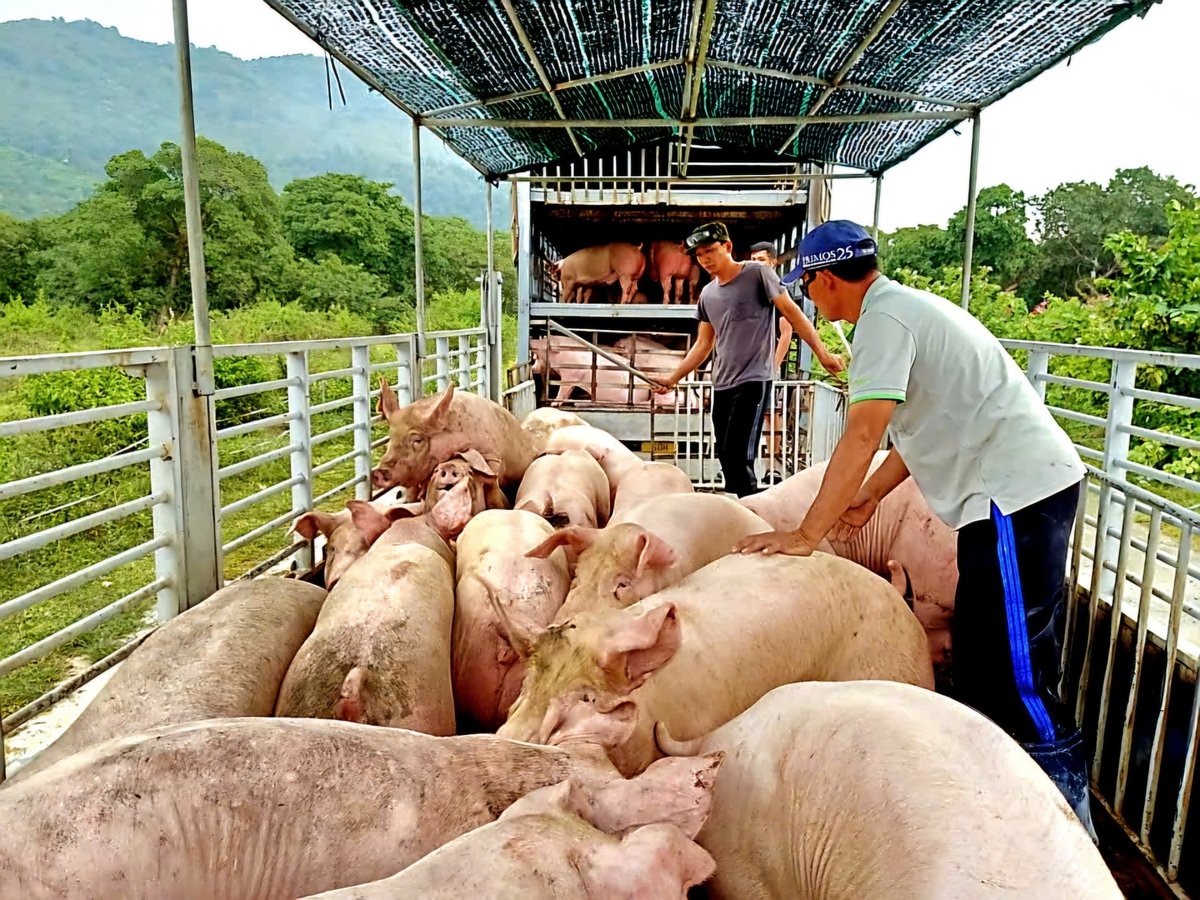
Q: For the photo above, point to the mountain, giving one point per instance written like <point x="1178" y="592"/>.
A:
<point x="77" y="93"/>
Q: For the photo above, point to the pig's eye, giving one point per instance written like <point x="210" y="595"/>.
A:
<point x="416" y="440"/>
<point x="622" y="584"/>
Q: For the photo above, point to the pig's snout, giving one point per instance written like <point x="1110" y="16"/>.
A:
<point x="381" y="478"/>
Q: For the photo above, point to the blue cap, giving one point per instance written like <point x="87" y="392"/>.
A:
<point x="831" y="243"/>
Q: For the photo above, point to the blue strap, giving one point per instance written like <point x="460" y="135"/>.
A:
<point x="1018" y="632"/>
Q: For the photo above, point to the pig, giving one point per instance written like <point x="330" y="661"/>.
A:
<point x="602" y="265"/>
<point x="585" y="437"/>
<point x="650" y="547"/>
<point x="544" y="847"/>
<point x="281" y="808"/>
<point x="891" y="791"/>
<point x="719" y="640"/>
<point x="673" y="267"/>
<point x="486" y="672"/>
<point x="224" y="657"/>
<point x="380" y="651"/>
<point x="903" y="529"/>
<point x="434" y="429"/>
<point x="544" y="421"/>
<point x="567" y="488"/>
<point x="578" y="367"/>
<point x="634" y="480"/>
<point x="470" y="466"/>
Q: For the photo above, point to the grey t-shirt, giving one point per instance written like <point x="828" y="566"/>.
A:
<point x="743" y="317"/>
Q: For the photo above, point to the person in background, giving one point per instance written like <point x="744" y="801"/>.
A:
<point x="991" y="461"/>
<point x="736" y="313"/>
<point x="764" y="252"/>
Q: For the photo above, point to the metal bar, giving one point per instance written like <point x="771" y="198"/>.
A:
<point x="331" y="405"/>
<point x="314" y="377"/>
<point x="1150" y="564"/>
<point x="332" y="433"/>
<point x="258" y="496"/>
<point x="81" y="417"/>
<point x="1184" y="798"/>
<point x="1077" y="416"/>
<point x="840" y="76"/>
<point x="972" y="202"/>
<point x="1165" y="399"/>
<point x="68" y="687"/>
<point x="51" y="643"/>
<point x="442" y="362"/>
<point x="255" y="461"/>
<point x="492" y="317"/>
<point x="300" y="437"/>
<point x="278" y="348"/>
<point x="709" y="122"/>
<point x="45" y="363"/>
<point x="256" y="425"/>
<point x="1072" y="606"/>
<point x="353" y="482"/>
<point x="1147" y="357"/>
<point x="561" y="86"/>
<point x="334" y="463"/>
<point x="1165" y="477"/>
<point x="418" y="239"/>
<point x="845" y="86"/>
<point x="1076" y="383"/>
<point x="255" y="533"/>
<point x="765" y="178"/>
<point x="1160" y="729"/>
<point x="1088" y="452"/>
<point x="878" y="200"/>
<point x="272" y="560"/>
<point x="702" y="25"/>
<point x="243" y="390"/>
<point x="191" y="204"/>
<point x="531" y="54"/>
<point x="1093" y="602"/>
<point x="82" y="576"/>
<point x="37" y="541"/>
<point x="83" y="470"/>
<point x="361" y="390"/>
<point x="1114" y="634"/>
<point x="1160" y="436"/>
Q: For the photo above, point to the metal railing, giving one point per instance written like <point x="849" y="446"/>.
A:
<point x="1132" y="637"/>
<point x="205" y="491"/>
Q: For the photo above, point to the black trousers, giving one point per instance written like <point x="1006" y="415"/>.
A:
<point x="737" y="417"/>
<point x="1009" y="614"/>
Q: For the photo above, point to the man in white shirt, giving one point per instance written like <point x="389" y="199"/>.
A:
<point x="992" y="463"/>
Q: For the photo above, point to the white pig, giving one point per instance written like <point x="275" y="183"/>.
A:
<point x="567" y="488"/>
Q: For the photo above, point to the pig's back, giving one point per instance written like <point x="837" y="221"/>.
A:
<point x="913" y="794"/>
<point x="225" y="657"/>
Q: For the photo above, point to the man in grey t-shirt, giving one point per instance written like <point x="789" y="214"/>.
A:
<point x="736" y="313"/>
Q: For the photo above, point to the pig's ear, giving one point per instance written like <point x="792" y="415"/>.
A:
<point x="368" y="520"/>
<point x="574" y="537"/>
<point x="520" y="639"/>
<point x="608" y="728"/>
<point x="639" y="644"/>
<point x="565" y="798"/>
<point x="450" y="515"/>
<point x="475" y="460"/>
<point x="436" y="417"/>
<point x="388" y="404"/>
<point x="678" y="792"/>
<point x="653" y="553"/>
<point x="597" y="453"/>
<point x="398" y="513"/>
<point x="653" y="861"/>
<point x="309" y="525"/>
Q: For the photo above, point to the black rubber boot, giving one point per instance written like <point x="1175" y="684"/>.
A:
<point x="1064" y="761"/>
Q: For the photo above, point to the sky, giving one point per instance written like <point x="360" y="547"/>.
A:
<point x="1125" y="101"/>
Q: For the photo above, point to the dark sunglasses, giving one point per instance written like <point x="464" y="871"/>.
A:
<point x="702" y="236"/>
<point x="806" y="279"/>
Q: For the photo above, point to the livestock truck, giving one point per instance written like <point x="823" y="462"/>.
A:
<point x="577" y="342"/>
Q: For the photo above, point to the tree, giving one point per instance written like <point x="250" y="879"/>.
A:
<point x="18" y="243"/>
<point x="1078" y="217"/>
<point x="357" y="221"/>
<point x="333" y="283"/>
<point x="1002" y="241"/>
<point x="921" y="248"/>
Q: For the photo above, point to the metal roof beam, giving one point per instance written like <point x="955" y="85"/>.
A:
<point x="702" y="27"/>
<point x="855" y="55"/>
<point x="561" y="86"/>
<point x="717" y="122"/>
<point x="537" y="67"/>
<point x="849" y="86"/>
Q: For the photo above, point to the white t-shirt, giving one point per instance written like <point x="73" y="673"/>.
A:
<point x="968" y="425"/>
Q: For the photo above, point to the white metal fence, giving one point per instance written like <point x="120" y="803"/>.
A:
<point x="205" y="489"/>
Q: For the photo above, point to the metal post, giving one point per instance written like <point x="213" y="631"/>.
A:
<point x="442" y="361"/>
<point x="188" y="475"/>
<point x="300" y="437"/>
<point x="494" y="306"/>
<point x="418" y="248"/>
<point x="1036" y="369"/>
<point x="463" y="370"/>
<point x="878" y="198"/>
<point x="203" y="375"/>
<point x="524" y="269"/>
<point x="969" y="237"/>
<point x="1116" y="450"/>
<point x="360" y="361"/>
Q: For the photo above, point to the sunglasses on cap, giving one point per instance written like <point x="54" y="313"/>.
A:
<point x="705" y="235"/>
